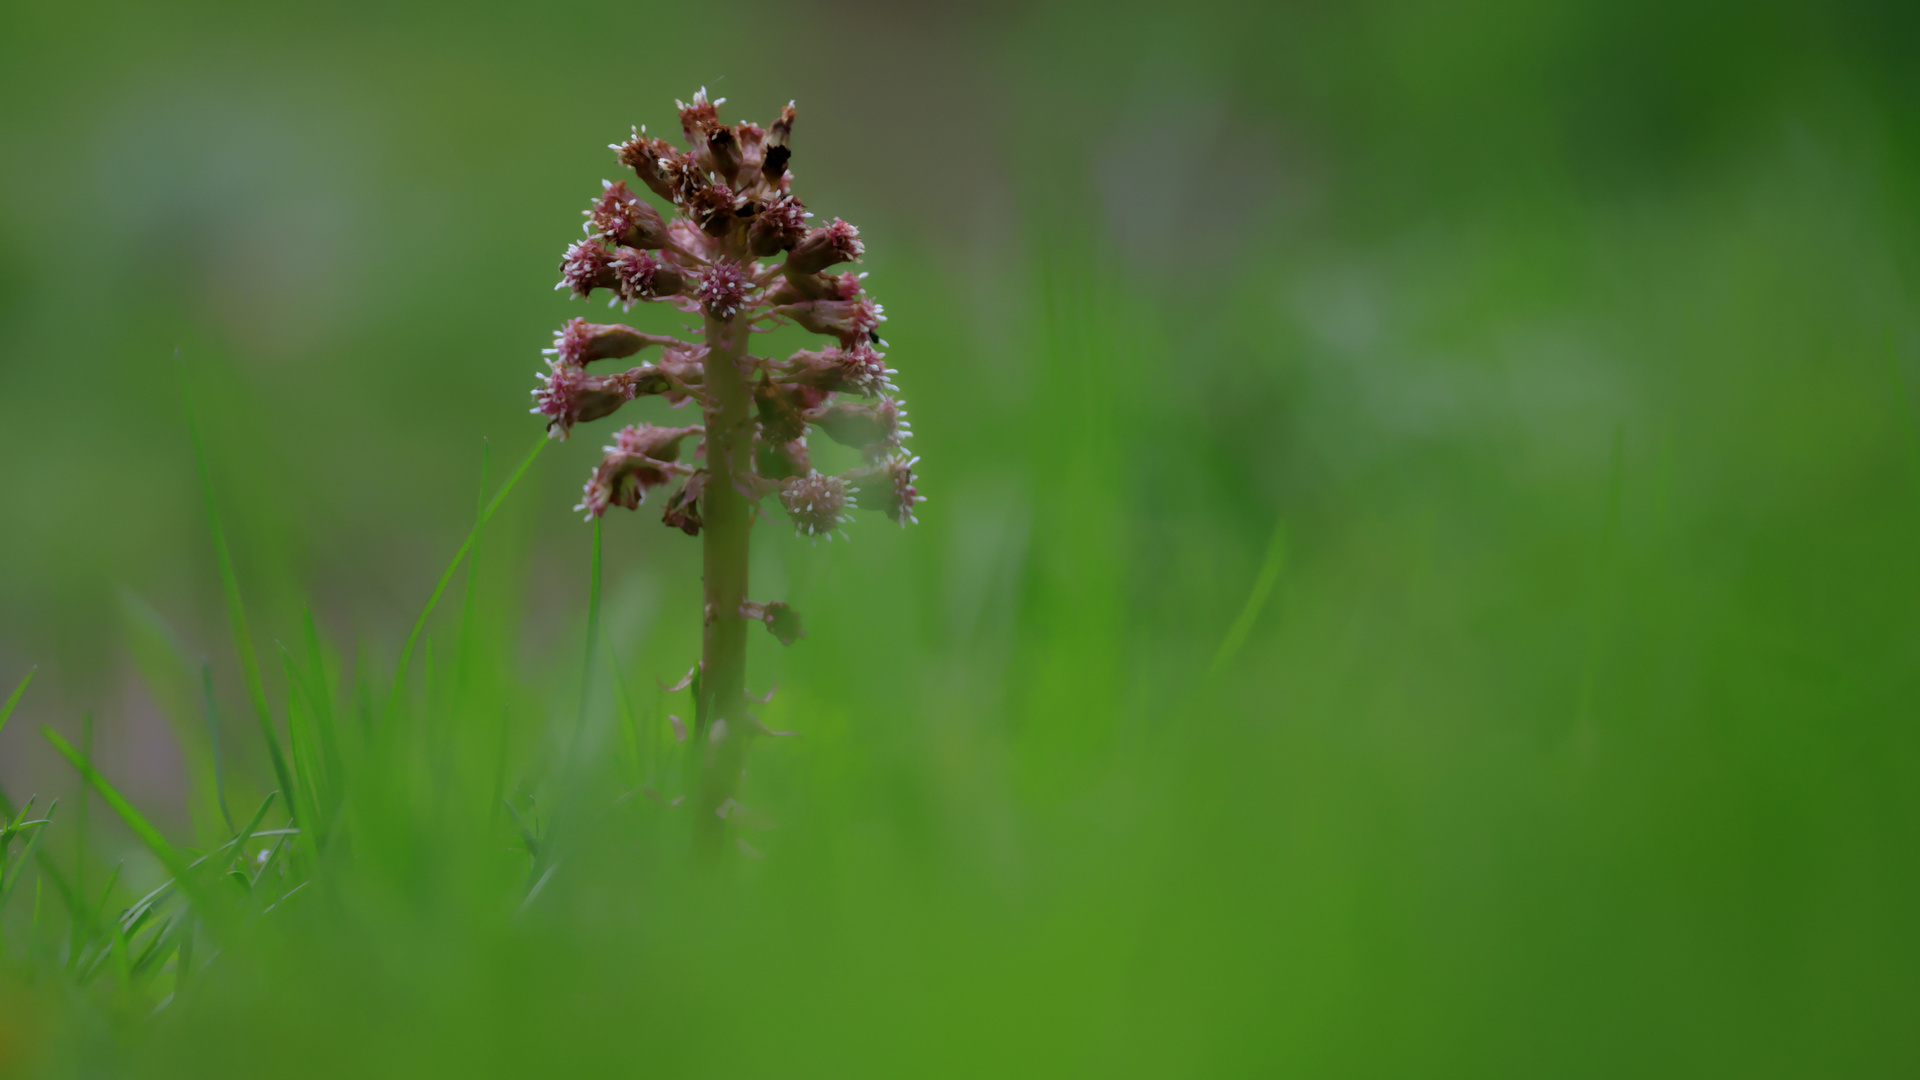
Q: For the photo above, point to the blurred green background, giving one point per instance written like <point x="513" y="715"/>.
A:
<point x="1571" y="349"/>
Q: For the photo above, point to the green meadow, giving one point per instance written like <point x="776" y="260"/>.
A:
<point x="1419" y="576"/>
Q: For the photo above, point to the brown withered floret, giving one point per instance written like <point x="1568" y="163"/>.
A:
<point x="683" y="506"/>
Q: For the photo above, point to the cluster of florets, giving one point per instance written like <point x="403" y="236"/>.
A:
<point x="735" y="249"/>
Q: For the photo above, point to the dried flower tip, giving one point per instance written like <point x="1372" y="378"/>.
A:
<point x="778" y="226"/>
<point x="640" y="459"/>
<point x="876" y="427"/>
<point x="817" y="503"/>
<point x="622" y="217"/>
<point x="653" y="160"/>
<point x="723" y="147"/>
<point x="567" y="395"/>
<point x="888" y="487"/>
<point x="723" y="289"/>
<point x="697" y="117"/>
<point x="581" y="342"/>
<point x="783" y="622"/>
<point x="638" y="275"/>
<point x="683" y="506"/>
<point x="586" y="266"/>
<point x="774" y="165"/>
<point x="824" y="247"/>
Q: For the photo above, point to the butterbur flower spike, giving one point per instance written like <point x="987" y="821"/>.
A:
<point x="728" y="245"/>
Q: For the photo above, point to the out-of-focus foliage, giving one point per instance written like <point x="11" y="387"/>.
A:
<point x="1571" y="346"/>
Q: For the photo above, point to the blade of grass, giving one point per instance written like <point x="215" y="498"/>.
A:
<point x="80" y="845"/>
<point x="1256" y="602"/>
<point x="322" y="699"/>
<point x="18" y="820"/>
<point x="309" y="753"/>
<point x="169" y="857"/>
<point x="213" y="737"/>
<point x="106" y="894"/>
<point x="14" y="698"/>
<point x="50" y="870"/>
<point x="236" y="610"/>
<point x="240" y="838"/>
<point x="27" y="855"/>
<point x="629" y="726"/>
<point x="300" y="754"/>
<point x="593" y="633"/>
<point x="473" y="577"/>
<point x="420" y="624"/>
<point x="151" y="955"/>
<point x="238" y="841"/>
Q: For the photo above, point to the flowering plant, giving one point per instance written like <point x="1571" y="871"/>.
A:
<point x="737" y="251"/>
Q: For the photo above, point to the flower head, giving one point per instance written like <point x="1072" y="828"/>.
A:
<point x="581" y="342"/>
<point x="860" y="370"/>
<point x="723" y="289"/>
<point x="824" y="247"/>
<point x="889" y="487"/>
<point x="778" y="226"/>
<point x="877" y="428"/>
<point x="780" y="460"/>
<point x="852" y="321"/>
<point x="712" y="207"/>
<point x="638" y="275"/>
<point x="817" y="503"/>
<point x="641" y="458"/>
<point x="586" y="266"/>
<point x="651" y="159"/>
<point x="699" y="116"/>
<point x="567" y="395"/>
<point x="622" y="217"/>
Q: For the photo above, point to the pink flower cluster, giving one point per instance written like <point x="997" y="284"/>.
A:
<point x="732" y="246"/>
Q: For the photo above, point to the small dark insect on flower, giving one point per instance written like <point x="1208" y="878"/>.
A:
<point x="735" y="251"/>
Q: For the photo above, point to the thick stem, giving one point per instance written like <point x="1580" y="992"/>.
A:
<point x="728" y="517"/>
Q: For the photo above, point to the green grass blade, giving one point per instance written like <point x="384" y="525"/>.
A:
<point x="80" y="844"/>
<point x="322" y="698"/>
<point x="1256" y="602"/>
<point x="152" y="954"/>
<point x="106" y="894"/>
<point x="14" y="698"/>
<point x="593" y="634"/>
<point x="309" y="756"/>
<point x="17" y="820"/>
<point x="50" y="870"/>
<point x="213" y="738"/>
<point x="142" y="907"/>
<point x="27" y="855"/>
<point x="300" y="755"/>
<point x="420" y="624"/>
<point x="467" y="599"/>
<point x="236" y="610"/>
<point x="629" y="724"/>
<point x="240" y="838"/>
<point x="169" y="857"/>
